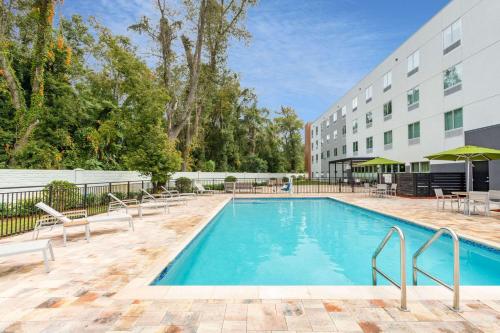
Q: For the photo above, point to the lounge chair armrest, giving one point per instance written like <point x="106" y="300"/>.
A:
<point x="75" y="213"/>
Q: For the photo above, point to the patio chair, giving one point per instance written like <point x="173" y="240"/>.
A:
<point x="116" y="204"/>
<point x="440" y="197"/>
<point x="200" y="189"/>
<point x="229" y="187"/>
<point x="393" y="189"/>
<point x="79" y="218"/>
<point x="366" y="188"/>
<point x="287" y="188"/>
<point x="494" y="197"/>
<point x="43" y="245"/>
<point x="479" y="199"/>
<point x="380" y="190"/>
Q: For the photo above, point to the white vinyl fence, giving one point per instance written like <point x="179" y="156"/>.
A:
<point x="33" y="177"/>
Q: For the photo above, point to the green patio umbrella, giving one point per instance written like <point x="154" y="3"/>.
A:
<point x="378" y="161"/>
<point x="467" y="154"/>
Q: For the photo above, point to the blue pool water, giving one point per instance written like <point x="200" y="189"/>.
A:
<point x="315" y="242"/>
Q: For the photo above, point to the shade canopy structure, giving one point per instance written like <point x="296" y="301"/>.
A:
<point x="378" y="161"/>
<point x="467" y="154"/>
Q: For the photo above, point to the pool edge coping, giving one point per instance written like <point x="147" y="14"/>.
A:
<point x="141" y="286"/>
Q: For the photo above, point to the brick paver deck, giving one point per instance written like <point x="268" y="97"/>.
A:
<point x="84" y="292"/>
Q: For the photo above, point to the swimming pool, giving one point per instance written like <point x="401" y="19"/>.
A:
<point x="315" y="241"/>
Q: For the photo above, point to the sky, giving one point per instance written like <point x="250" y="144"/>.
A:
<point x="303" y="53"/>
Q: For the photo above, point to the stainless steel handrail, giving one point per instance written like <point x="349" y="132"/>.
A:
<point x="456" y="265"/>
<point x="402" y="257"/>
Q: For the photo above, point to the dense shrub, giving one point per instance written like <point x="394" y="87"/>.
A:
<point x="62" y="195"/>
<point x="285" y="179"/>
<point x="208" y="166"/>
<point x="183" y="184"/>
<point x="230" y="179"/>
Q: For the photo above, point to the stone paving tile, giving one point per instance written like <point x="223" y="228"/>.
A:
<point x="87" y="289"/>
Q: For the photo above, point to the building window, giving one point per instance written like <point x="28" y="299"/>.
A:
<point x="413" y="98"/>
<point x="328" y="137"/>
<point x="414" y="133"/>
<point x="355" y="147"/>
<point x="335" y="135"/>
<point x="369" y="119"/>
<point x="316" y="157"/>
<point x="452" y="36"/>
<point x="388" y="110"/>
<point x="335" y="152"/>
<point x="355" y="104"/>
<point x="388" y="140"/>
<point x="413" y="63"/>
<point x="387" y="81"/>
<point x="312" y="159"/>
<point x="355" y="126"/>
<point x="344" y="111"/>
<point x="327" y="154"/>
<point x="335" y="117"/>
<point x="344" y="130"/>
<point x="453" y="122"/>
<point x="452" y="79"/>
<point x="369" y="94"/>
<point x="327" y="123"/>
<point x="420" y="167"/>
<point x="369" y="145"/>
<point x="344" y="149"/>
<point x="316" y="130"/>
<point x="322" y="141"/>
<point x="317" y="144"/>
<point x="312" y="145"/>
<point x="322" y="156"/>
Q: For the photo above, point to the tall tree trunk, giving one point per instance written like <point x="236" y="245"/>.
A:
<point x="194" y="64"/>
<point x="29" y="120"/>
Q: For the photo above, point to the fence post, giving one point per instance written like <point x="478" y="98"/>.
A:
<point x="50" y="196"/>
<point x="110" y="187"/>
<point x="85" y="196"/>
<point x="128" y="190"/>
<point x="142" y="184"/>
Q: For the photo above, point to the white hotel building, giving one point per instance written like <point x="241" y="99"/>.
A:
<point x="439" y="90"/>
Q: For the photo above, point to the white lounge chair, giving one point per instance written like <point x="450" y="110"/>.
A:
<point x="440" y="197"/>
<point x="159" y="198"/>
<point x="79" y="218"/>
<point x="200" y="189"/>
<point x="43" y="245"/>
<point x="174" y="193"/>
<point x="117" y="204"/>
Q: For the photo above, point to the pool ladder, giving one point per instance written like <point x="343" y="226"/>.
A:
<point x="402" y="258"/>
<point x="415" y="269"/>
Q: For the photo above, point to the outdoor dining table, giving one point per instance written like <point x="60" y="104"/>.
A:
<point x="465" y="196"/>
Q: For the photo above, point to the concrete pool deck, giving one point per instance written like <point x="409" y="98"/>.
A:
<point x="103" y="285"/>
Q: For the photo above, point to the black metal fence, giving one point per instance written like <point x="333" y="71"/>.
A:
<point x="18" y="213"/>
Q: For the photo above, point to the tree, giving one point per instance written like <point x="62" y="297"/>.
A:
<point x="290" y="126"/>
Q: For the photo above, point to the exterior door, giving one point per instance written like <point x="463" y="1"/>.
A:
<point x="481" y="176"/>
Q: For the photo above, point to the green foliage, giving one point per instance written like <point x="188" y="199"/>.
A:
<point x="208" y="166"/>
<point x="230" y="179"/>
<point x="253" y="163"/>
<point x="101" y="107"/>
<point x="62" y="195"/>
<point x="183" y="185"/>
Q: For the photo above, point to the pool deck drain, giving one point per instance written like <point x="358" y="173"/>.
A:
<point x="102" y="286"/>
